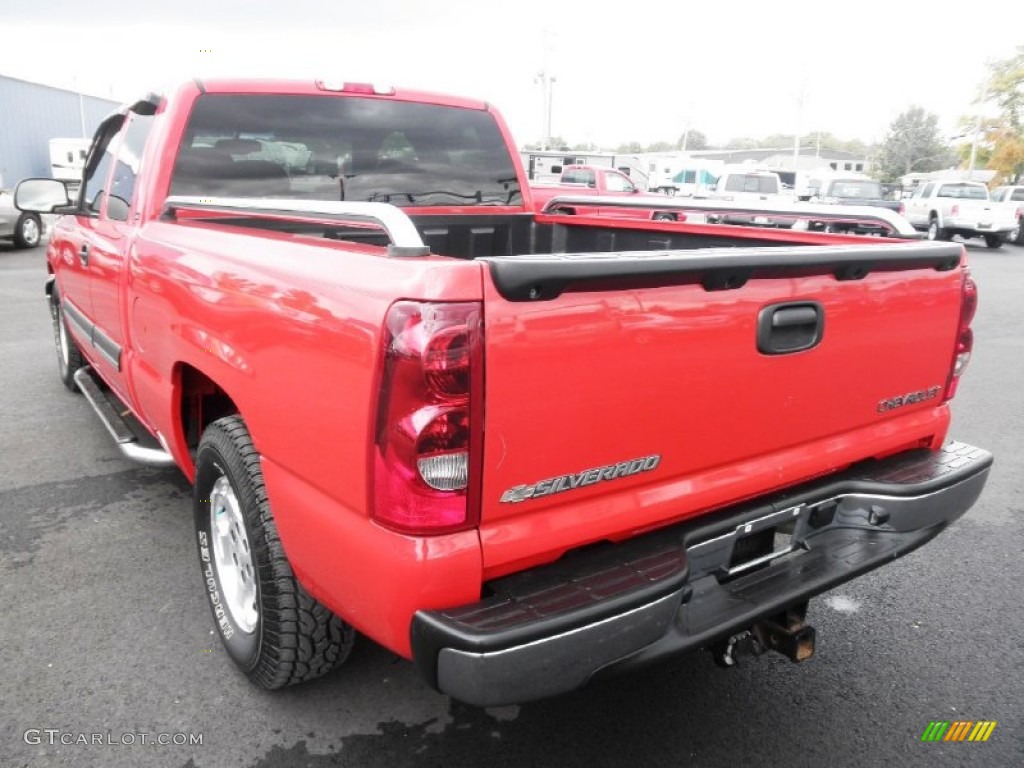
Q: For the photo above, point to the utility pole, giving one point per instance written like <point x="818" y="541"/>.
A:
<point x="799" y="125"/>
<point x="546" y="82"/>
<point x="977" y="130"/>
<point x="545" y="79"/>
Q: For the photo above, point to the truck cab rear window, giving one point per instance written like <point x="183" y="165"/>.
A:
<point x="344" y="148"/>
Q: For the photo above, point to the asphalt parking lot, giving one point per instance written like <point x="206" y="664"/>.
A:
<point x="104" y="628"/>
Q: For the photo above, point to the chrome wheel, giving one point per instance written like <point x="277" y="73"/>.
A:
<point x="933" y="230"/>
<point x="30" y="232"/>
<point x="232" y="555"/>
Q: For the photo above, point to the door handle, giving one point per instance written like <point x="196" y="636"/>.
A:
<point x="83" y="254"/>
<point x="792" y="327"/>
<point x="787" y="317"/>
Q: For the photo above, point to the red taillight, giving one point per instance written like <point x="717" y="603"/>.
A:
<point x="964" y="335"/>
<point x="903" y="210"/>
<point x="954" y="211"/>
<point x="427" y="444"/>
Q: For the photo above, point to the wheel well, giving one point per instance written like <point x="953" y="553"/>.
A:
<point x="203" y="401"/>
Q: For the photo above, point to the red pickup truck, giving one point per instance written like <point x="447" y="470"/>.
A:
<point x="594" y="181"/>
<point x="522" y="450"/>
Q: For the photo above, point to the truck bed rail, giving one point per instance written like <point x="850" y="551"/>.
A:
<point x="405" y="238"/>
<point x="897" y="225"/>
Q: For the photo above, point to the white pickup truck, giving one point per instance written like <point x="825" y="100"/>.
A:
<point x="1014" y="198"/>
<point x="954" y="207"/>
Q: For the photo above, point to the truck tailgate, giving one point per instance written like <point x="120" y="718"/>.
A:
<point x="636" y="389"/>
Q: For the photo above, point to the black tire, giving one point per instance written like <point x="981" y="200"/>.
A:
<point x="935" y="232"/>
<point x="292" y="638"/>
<point x="994" y="241"/>
<point x="1017" y="236"/>
<point x="28" y="231"/>
<point x="69" y="358"/>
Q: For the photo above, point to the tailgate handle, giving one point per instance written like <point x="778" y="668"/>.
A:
<point x="792" y="327"/>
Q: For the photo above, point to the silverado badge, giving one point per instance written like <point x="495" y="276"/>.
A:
<point x="587" y="477"/>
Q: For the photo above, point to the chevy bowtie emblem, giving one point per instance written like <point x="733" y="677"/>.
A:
<point x="587" y="477"/>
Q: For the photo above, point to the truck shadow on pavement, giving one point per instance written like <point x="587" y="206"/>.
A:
<point x="668" y="715"/>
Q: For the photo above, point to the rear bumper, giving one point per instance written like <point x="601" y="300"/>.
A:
<point x="602" y="610"/>
<point x="979" y="227"/>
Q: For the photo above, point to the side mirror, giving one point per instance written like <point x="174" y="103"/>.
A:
<point x="42" y="196"/>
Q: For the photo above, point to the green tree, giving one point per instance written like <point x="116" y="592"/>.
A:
<point x="1004" y="137"/>
<point x="632" y="148"/>
<point x="913" y="144"/>
<point x="743" y="142"/>
<point x="660" y="146"/>
<point x="1006" y="88"/>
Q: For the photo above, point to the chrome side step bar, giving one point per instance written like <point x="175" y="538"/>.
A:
<point x="126" y="440"/>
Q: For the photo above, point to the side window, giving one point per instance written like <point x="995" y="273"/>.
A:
<point x="618" y="183"/>
<point x="94" y="184"/>
<point x="926" y="190"/>
<point x="734" y="183"/>
<point x="126" y="166"/>
<point x="579" y="176"/>
<point x="689" y="177"/>
<point x="1017" y="195"/>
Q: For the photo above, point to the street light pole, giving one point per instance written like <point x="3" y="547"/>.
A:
<point x="546" y="82"/>
<point x="551" y="95"/>
<point x="977" y="130"/>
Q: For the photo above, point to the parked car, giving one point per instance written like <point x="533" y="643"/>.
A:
<point x="944" y="208"/>
<point x="1013" y="196"/>
<point x="523" y="451"/>
<point x="23" y="229"/>
<point x="598" y="181"/>
<point x="852" y="191"/>
<point x="747" y="185"/>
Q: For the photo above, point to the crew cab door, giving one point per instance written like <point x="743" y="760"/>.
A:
<point x="93" y="283"/>
<point x="617" y="184"/>
<point x="917" y="205"/>
<point x="108" y="237"/>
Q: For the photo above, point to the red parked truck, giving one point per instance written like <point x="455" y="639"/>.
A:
<point x="579" y="181"/>
<point x="522" y="450"/>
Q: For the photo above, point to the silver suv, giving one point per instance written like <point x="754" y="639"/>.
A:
<point x="24" y="229"/>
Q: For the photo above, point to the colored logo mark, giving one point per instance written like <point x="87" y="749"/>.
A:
<point x="958" y="730"/>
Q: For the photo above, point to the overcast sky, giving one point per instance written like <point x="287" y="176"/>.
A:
<point x="636" y="71"/>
